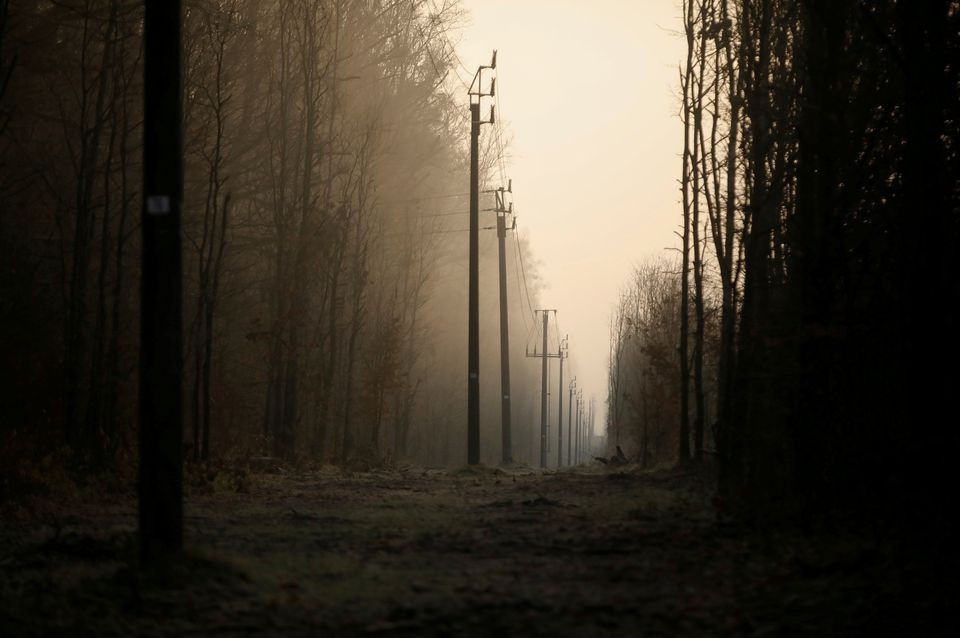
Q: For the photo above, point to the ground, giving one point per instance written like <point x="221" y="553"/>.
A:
<point x="469" y="552"/>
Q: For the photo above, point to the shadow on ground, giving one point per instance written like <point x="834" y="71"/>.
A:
<point x="471" y="552"/>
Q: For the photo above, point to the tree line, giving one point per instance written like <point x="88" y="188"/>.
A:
<point x="799" y="338"/>
<point x="325" y="177"/>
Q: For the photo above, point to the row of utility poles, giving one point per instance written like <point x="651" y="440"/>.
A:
<point x="579" y="418"/>
<point x="577" y="447"/>
<point x="160" y="487"/>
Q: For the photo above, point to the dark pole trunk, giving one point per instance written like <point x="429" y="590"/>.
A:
<point x="560" y="411"/>
<point x="505" y="434"/>
<point x="569" y="428"/>
<point x="473" y="320"/>
<point x="543" y="393"/>
<point x="161" y="469"/>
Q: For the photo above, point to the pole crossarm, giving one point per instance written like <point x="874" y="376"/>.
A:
<point x="537" y="355"/>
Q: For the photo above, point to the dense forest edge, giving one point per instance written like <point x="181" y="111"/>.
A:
<point x="818" y="178"/>
<point x="325" y="170"/>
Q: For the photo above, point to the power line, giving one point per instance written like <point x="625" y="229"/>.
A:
<point x="429" y="197"/>
<point x="433" y="62"/>
<point x="497" y="130"/>
<point x="533" y="330"/>
<point x="525" y="287"/>
<point x="453" y="51"/>
<point x="445" y="214"/>
<point x="445" y="41"/>
<point x="457" y="230"/>
<point x="516" y="273"/>
<point x="556" y="327"/>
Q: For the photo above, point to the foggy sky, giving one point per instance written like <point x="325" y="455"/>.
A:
<point x="588" y="94"/>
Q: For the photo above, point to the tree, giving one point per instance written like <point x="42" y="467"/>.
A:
<point x="211" y="92"/>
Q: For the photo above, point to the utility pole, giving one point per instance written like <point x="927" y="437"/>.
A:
<point x="543" y="395"/>
<point x="543" y="386"/>
<point x="473" y="320"/>
<point x="583" y="430"/>
<point x="576" y="434"/>
<point x="573" y="386"/>
<point x="561" y="354"/>
<point x="593" y="419"/>
<point x="502" y="211"/>
<point x="589" y="435"/>
<point x="160" y="484"/>
<point x="579" y="425"/>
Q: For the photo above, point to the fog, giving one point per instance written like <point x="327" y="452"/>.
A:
<point x="588" y="94"/>
<point x="324" y="300"/>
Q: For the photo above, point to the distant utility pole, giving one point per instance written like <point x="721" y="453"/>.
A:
<point x="589" y="436"/>
<point x="473" y="319"/>
<point x="586" y="425"/>
<point x="562" y="353"/>
<point x="576" y="434"/>
<point x="579" y="426"/>
<point x="583" y="429"/>
<point x="160" y="485"/>
<point x="593" y="419"/>
<point x="543" y="385"/>
<point x="573" y="386"/>
<point x="502" y="211"/>
<point x="543" y="394"/>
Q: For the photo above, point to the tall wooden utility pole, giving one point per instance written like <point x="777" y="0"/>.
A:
<point x="583" y="427"/>
<point x="160" y="485"/>
<point x="576" y="436"/>
<point x="505" y="434"/>
<point x="588" y="438"/>
<point x="543" y="394"/>
<point x="561" y="354"/>
<point x="543" y="386"/>
<point x="473" y="319"/>
<point x="573" y="386"/>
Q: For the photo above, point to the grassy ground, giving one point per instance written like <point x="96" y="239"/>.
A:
<point x="475" y="552"/>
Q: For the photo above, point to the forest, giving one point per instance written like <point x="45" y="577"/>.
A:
<point x="774" y="455"/>
<point x="323" y="178"/>
<point x="819" y="162"/>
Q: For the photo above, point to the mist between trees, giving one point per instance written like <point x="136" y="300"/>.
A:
<point x="798" y="338"/>
<point x="324" y="279"/>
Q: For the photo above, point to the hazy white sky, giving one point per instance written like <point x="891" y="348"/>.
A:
<point x="588" y="93"/>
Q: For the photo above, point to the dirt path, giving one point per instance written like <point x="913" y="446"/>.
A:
<point x="432" y="553"/>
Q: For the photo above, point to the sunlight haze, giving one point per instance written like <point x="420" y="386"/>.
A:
<point x="588" y="97"/>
